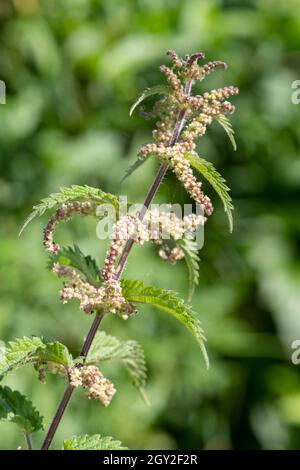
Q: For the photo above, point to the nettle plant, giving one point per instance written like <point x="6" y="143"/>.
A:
<point x="182" y="118"/>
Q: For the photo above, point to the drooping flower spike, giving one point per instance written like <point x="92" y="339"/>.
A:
<point x="63" y="214"/>
<point x="155" y="226"/>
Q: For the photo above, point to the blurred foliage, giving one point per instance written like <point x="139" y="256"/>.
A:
<point x="72" y="70"/>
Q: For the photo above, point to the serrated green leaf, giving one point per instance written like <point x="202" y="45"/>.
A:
<point x="192" y="259"/>
<point x="130" y="353"/>
<point x="167" y="301"/>
<point x="74" y="258"/>
<point x="94" y="442"/>
<point x="227" y="126"/>
<point x="216" y="180"/>
<point x="19" y="353"/>
<point x="73" y="193"/>
<point x="56" y="353"/>
<point x="158" y="89"/>
<point x="16" y="408"/>
<point x="135" y="165"/>
<point x="33" y="351"/>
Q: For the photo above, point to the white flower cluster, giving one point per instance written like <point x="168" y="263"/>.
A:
<point x="107" y="298"/>
<point x="156" y="226"/>
<point x="171" y="255"/>
<point x="182" y="169"/>
<point x="92" y="379"/>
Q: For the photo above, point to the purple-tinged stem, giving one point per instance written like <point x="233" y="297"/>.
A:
<point x="28" y="440"/>
<point x="91" y="334"/>
<point x="57" y="418"/>
<point x="69" y="390"/>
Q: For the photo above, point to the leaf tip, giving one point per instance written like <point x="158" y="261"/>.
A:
<point x="27" y="221"/>
<point x="144" y="396"/>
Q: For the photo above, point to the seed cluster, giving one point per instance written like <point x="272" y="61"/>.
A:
<point x="182" y="169"/>
<point x="200" y="110"/>
<point x="92" y="379"/>
<point x="171" y="255"/>
<point x="175" y="157"/>
<point x="63" y="214"/>
<point x="187" y="67"/>
<point x="165" y="125"/>
<point x="177" y="61"/>
<point x="107" y="298"/>
<point x="174" y="82"/>
<point x="211" y="66"/>
<point x="155" y="227"/>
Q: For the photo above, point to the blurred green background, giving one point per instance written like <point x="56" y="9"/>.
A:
<point x="72" y="70"/>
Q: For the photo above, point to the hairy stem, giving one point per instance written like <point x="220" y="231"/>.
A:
<point x="28" y="440"/>
<point x="87" y="344"/>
